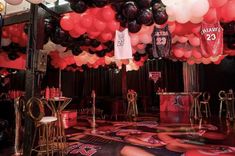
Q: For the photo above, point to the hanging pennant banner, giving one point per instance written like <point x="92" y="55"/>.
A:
<point x="154" y="75"/>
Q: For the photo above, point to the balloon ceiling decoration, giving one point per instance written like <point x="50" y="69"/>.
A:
<point x="14" y="40"/>
<point x="84" y="38"/>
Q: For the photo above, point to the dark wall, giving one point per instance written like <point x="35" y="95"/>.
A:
<point x="214" y="78"/>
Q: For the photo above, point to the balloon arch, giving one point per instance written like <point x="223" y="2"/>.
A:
<point x="86" y="35"/>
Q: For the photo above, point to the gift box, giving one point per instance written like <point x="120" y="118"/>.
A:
<point x="69" y="118"/>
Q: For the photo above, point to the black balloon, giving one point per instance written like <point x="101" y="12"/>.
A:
<point x="157" y="7"/>
<point x="87" y="41"/>
<point x="89" y="3"/>
<point x="137" y="57"/>
<point x="13" y="56"/>
<point x="144" y="3"/>
<point x="120" y="18"/>
<point x="26" y="28"/>
<point x="58" y="35"/>
<point x="84" y="66"/>
<point x="149" y="49"/>
<point x="80" y="40"/>
<point x="95" y="43"/>
<point x="160" y="17"/>
<point x="100" y="3"/>
<point x="69" y="42"/>
<point x="109" y="43"/>
<point x="133" y="26"/>
<point x="117" y="6"/>
<point x="101" y="53"/>
<point x="130" y="10"/>
<point x="150" y="23"/>
<point x="79" y="6"/>
<point x="91" y="51"/>
<point x="145" y="16"/>
<point x="76" y="51"/>
<point x="14" y="47"/>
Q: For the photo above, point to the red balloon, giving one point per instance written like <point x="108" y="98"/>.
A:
<point x="179" y="52"/>
<point x="211" y="16"/>
<point x="106" y="36"/>
<point x="99" y="25"/>
<point x="74" y="34"/>
<point x="15" y="39"/>
<point x="113" y="25"/>
<point x="16" y="32"/>
<point x="76" y="18"/>
<point x="108" y="13"/>
<point x="190" y="62"/>
<point x="229" y="13"/>
<point x="217" y="3"/>
<point x="183" y="29"/>
<point x="93" y="34"/>
<point x="100" y="47"/>
<point x="5" y="34"/>
<point x="66" y="23"/>
<point x="94" y="11"/>
<point x="196" y="54"/>
<point x="80" y="30"/>
<point x="87" y="20"/>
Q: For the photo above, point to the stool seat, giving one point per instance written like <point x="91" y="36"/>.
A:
<point x="48" y="119"/>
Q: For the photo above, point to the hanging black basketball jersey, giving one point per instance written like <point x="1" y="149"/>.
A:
<point x="161" y="42"/>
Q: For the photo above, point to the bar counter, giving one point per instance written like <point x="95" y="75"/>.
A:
<point x="175" y="101"/>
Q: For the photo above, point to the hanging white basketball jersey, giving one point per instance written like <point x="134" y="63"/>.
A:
<point x="122" y="45"/>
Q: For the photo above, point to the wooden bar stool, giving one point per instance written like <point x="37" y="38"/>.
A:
<point x="205" y="102"/>
<point x="195" y="108"/>
<point x="230" y="104"/>
<point x="223" y="100"/>
<point x="132" y="110"/>
<point x="44" y="128"/>
<point x="57" y="105"/>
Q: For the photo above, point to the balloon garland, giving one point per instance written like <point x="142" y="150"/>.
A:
<point x="83" y="34"/>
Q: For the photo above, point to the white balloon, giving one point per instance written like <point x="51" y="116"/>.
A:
<point x="14" y="2"/>
<point x="171" y="11"/>
<point x="200" y="8"/>
<point x="168" y="2"/>
<point x="60" y="48"/>
<point x="35" y="1"/>
<point x="50" y="1"/>
<point x="6" y="41"/>
<point x="196" y="20"/>
<point x="183" y="13"/>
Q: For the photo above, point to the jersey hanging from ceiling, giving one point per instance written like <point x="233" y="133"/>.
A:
<point x="211" y="36"/>
<point x="161" y="42"/>
<point x="122" y="45"/>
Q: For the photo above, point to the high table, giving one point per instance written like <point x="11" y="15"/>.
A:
<point x="175" y="101"/>
<point x="57" y="105"/>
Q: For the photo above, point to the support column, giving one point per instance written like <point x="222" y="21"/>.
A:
<point x="124" y="86"/>
<point x="32" y="78"/>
